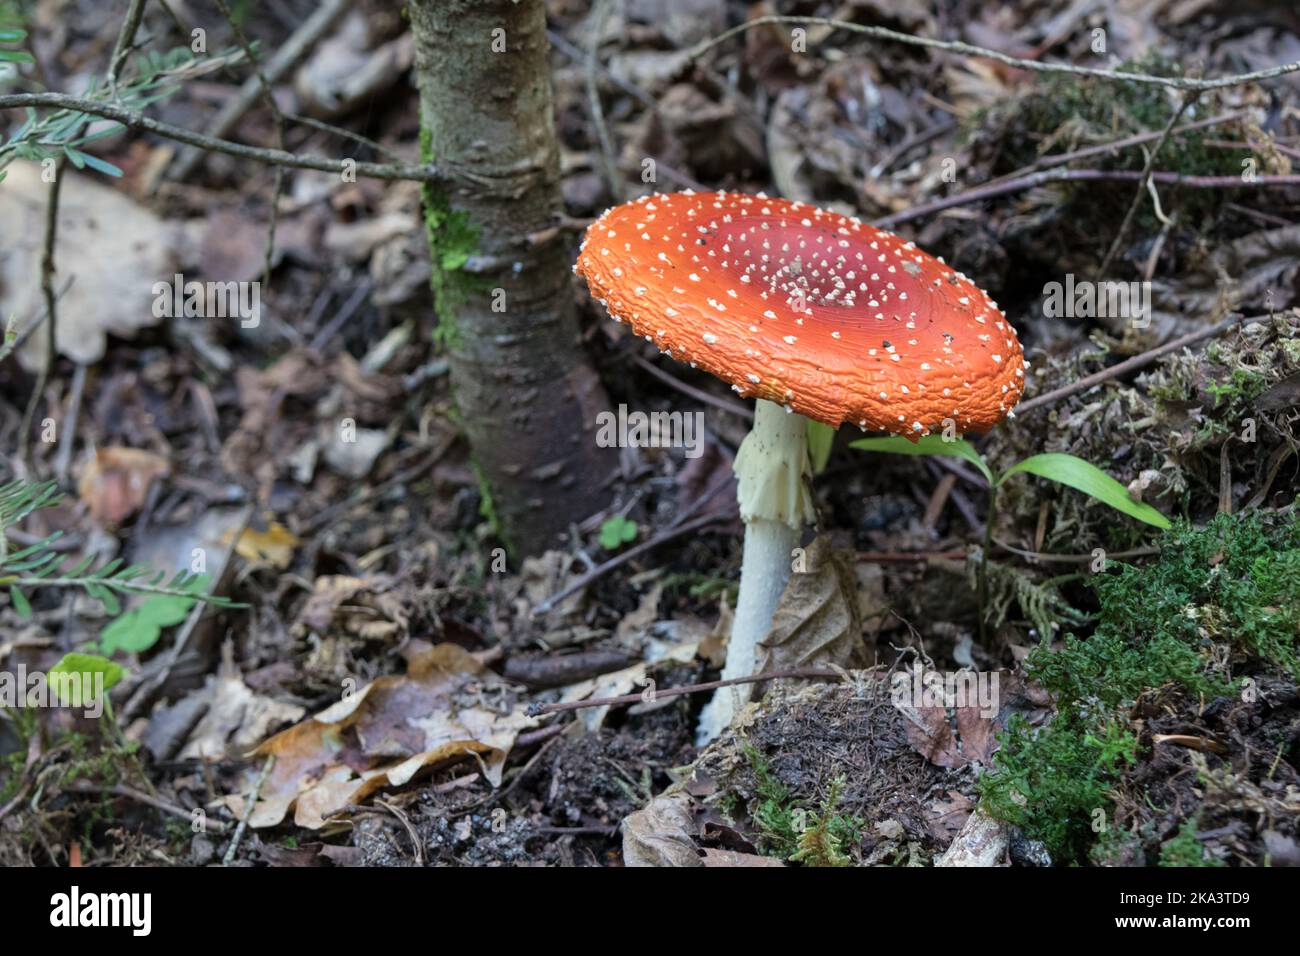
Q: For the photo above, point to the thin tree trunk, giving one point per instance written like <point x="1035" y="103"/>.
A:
<point x="527" y="395"/>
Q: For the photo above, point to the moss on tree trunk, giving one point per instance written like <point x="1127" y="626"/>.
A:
<point x="525" y="391"/>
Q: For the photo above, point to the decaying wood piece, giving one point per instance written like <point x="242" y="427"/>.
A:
<point x="983" y="841"/>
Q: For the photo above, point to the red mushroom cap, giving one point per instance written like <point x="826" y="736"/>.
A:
<point x="833" y="318"/>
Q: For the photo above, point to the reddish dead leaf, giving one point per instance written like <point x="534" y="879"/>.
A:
<point x="978" y="734"/>
<point x="949" y="814"/>
<point x="931" y="736"/>
<point x="116" y="481"/>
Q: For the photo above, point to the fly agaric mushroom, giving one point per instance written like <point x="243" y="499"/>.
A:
<point x="815" y="315"/>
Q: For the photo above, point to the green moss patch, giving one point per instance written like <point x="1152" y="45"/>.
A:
<point x="1218" y="609"/>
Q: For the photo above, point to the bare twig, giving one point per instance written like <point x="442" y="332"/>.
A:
<point x="248" y="810"/>
<point x="735" y="408"/>
<point x="125" y="43"/>
<point x="804" y="673"/>
<point x="1134" y="363"/>
<point x="607" y="156"/>
<point x="966" y="49"/>
<point x="288" y="56"/>
<point x="9" y="339"/>
<point x="1003" y="187"/>
<point x="622" y="558"/>
<point x="379" y="148"/>
<point x="906" y="556"/>
<point x="63" y="458"/>
<point x="136" y="120"/>
<point x="1188" y="99"/>
<point x="130" y="793"/>
<point x="268" y="97"/>
<point x="51" y="326"/>
<point x="1074" y="558"/>
<point x="1113" y="146"/>
<point x="634" y="91"/>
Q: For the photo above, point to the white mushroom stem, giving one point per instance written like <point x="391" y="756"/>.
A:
<point x="772" y="473"/>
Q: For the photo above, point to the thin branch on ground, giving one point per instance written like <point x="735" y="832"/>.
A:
<point x="1074" y="558"/>
<point x="379" y="148"/>
<point x="733" y="408"/>
<point x="248" y="811"/>
<point x="1145" y="184"/>
<point x="623" y="557"/>
<point x="1134" y="363"/>
<point x="608" y="159"/>
<point x="1048" y="176"/>
<point x="967" y="49"/>
<point x="1114" y="146"/>
<point x="130" y="793"/>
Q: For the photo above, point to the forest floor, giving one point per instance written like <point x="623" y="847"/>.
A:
<point x="1148" y="706"/>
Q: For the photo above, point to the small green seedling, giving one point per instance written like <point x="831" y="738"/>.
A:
<point x="139" y="628"/>
<point x="616" y="532"/>
<point x="1064" y="469"/>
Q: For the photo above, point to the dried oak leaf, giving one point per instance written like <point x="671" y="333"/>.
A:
<point x="931" y="733"/>
<point x="818" y="619"/>
<point x="114" y="483"/>
<point x="446" y="705"/>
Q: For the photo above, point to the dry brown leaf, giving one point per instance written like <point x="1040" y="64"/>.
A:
<point x="660" y="834"/>
<point x="113" y="249"/>
<point x="714" y="645"/>
<point x="364" y="607"/>
<point x="949" y="814"/>
<point x="235" y="717"/>
<point x="621" y="682"/>
<point x="930" y="734"/>
<point x="817" y="621"/>
<point x="271" y="547"/>
<point x="446" y="705"/>
<point x="632" y="626"/>
<point x="266" y="439"/>
<point x="115" y="482"/>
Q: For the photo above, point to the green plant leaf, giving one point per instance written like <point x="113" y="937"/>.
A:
<point x="97" y="164"/>
<point x="820" y="439"/>
<point x="20" y="602"/>
<point x="927" y="445"/>
<point x="87" y="665"/>
<point x="138" y="629"/>
<point x="616" y="532"/>
<point x="105" y="597"/>
<point x="1091" y="480"/>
